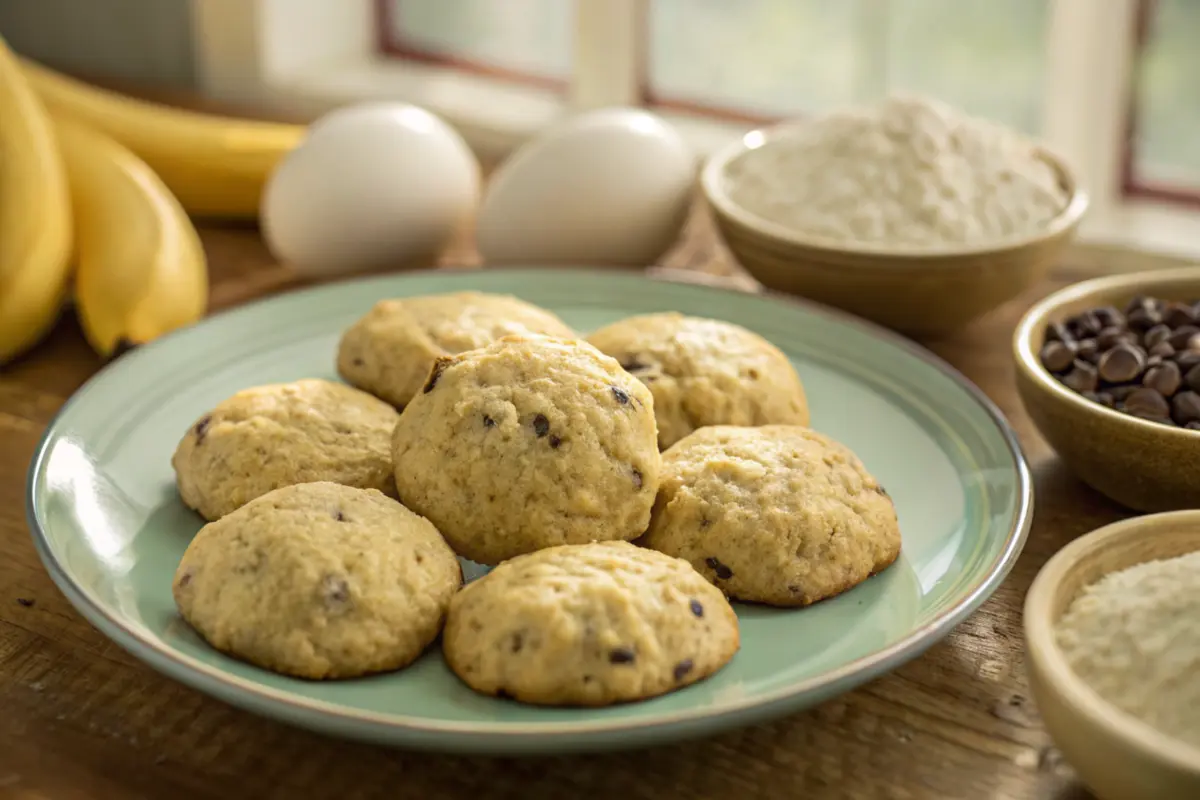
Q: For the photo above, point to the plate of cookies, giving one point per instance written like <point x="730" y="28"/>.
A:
<point x="527" y="511"/>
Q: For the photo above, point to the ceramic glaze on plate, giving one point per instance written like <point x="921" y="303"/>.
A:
<point x="110" y="528"/>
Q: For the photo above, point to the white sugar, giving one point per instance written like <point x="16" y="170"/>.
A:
<point x="910" y="172"/>
<point x="1134" y="637"/>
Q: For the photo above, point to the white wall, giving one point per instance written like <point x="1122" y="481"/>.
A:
<point x="139" y="40"/>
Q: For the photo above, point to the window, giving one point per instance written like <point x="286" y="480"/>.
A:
<point x="763" y="59"/>
<point x="522" y="39"/>
<point x="1107" y="83"/>
<point x="1164" y="157"/>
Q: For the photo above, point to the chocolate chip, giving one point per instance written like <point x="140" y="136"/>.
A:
<point x="1185" y="407"/>
<point x="1119" y="393"/>
<point x="621" y="655"/>
<point x="1186" y="359"/>
<point x="504" y="694"/>
<point x="435" y="374"/>
<point x="1086" y="324"/>
<point x="1113" y="336"/>
<point x="1087" y="350"/>
<point x="555" y="441"/>
<point x="1147" y="403"/>
<point x="637" y="478"/>
<point x="1164" y="378"/>
<point x="201" y="427"/>
<point x="1082" y="377"/>
<point x="1104" y="399"/>
<point x="516" y="643"/>
<point x="357" y="362"/>
<point x="1057" y="332"/>
<point x="1159" y="333"/>
<point x="488" y="422"/>
<point x="1192" y="378"/>
<point x="339" y="516"/>
<point x="634" y="366"/>
<point x="620" y="395"/>
<point x="722" y="572"/>
<point x="683" y="668"/>
<point x="28" y="602"/>
<point x="1109" y="316"/>
<point x="696" y="607"/>
<point x="335" y="593"/>
<point x="1182" y="336"/>
<point x="541" y="425"/>
<point x="1057" y="356"/>
<point x="1121" y="364"/>
<point x="1178" y="314"/>
<point x="1161" y="350"/>
<point x="705" y="522"/>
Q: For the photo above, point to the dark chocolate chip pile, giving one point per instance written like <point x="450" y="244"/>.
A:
<point x="1143" y="361"/>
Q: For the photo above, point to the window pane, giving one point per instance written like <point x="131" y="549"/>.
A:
<point x="783" y="57"/>
<point x="769" y="57"/>
<point x="1167" y="149"/>
<point x="524" y="36"/>
<point x="983" y="56"/>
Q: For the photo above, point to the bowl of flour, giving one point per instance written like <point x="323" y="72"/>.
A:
<point x="1112" y="629"/>
<point x="907" y="212"/>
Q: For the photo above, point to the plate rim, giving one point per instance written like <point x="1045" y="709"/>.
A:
<point x="284" y="704"/>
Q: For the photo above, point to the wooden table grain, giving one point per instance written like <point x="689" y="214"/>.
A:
<point x="80" y="718"/>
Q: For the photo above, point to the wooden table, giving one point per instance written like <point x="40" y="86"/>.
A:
<point x="79" y="718"/>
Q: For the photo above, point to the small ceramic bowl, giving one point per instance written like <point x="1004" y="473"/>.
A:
<point x="914" y="291"/>
<point x="1118" y="756"/>
<point x="1140" y="464"/>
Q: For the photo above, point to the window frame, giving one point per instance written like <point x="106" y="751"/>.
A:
<point x="395" y="46"/>
<point x="1132" y="184"/>
<point x="304" y="57"/>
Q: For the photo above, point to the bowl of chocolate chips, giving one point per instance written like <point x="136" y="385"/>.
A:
<point x="1109" y="371"/>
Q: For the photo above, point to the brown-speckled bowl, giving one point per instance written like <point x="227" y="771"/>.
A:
<point x="1143" y="465"/>
<point x="915" y="291"/>
<point x="1117" y="756"/>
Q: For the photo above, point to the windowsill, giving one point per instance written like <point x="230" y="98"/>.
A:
<point x="497" y="116"/>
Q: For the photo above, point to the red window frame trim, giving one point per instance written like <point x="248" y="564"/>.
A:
<point x="1132" y="184"/>
<point x="395" y="46"/>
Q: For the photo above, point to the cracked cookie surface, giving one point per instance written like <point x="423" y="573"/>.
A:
<point x="705" y="372"/>
<point x="281" y="434"/>
<point x="528" y="443"/>
<point x="589" y="625"/>
<point x="389" y="351"/>
<point x="318" y="580"/>
<point x="777" y="514"/>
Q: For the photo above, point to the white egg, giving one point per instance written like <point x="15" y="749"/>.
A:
<point x="611" y="186"/>
<point x="372" y="186"/>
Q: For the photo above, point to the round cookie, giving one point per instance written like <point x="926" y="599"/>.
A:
<point x="319" y="580"/>
<point x="280" y="434"/>
<point x="705" y="372"/>
<point x="528" y="443"/>
<point x="588" y="625"/>
<point x="777" y="514"/>
<point x="390" y="351"/>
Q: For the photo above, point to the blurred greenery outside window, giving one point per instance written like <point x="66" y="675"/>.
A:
<point x="755" y="60"/>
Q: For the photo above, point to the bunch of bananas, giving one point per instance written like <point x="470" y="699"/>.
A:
<point x="95" y="194"/>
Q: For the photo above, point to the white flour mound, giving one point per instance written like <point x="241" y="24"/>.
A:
<point x="909" y="172"/>
<point x="1134" y="637"/>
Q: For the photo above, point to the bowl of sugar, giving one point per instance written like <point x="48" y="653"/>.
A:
<point x="1112" y="630"/>
<point x="908" y="213"/>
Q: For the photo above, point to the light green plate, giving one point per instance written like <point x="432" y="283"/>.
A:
<point x="110" y="529"/>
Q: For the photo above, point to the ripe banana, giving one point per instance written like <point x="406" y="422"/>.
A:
<point x="216" y="166"/>
<point x="35" y="215"/>
<point x="140" y="268"/>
